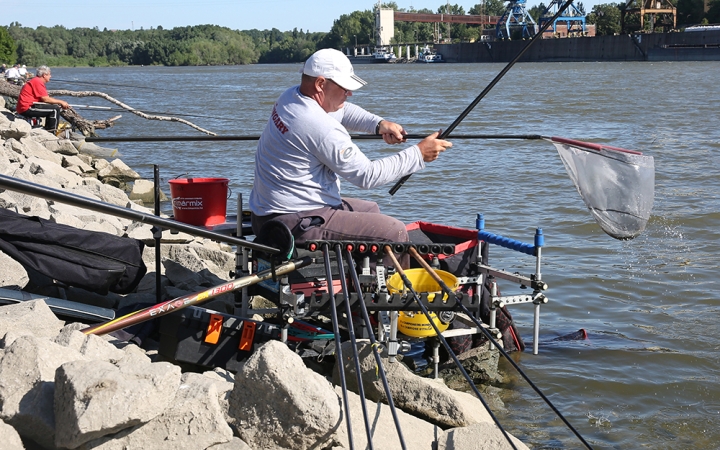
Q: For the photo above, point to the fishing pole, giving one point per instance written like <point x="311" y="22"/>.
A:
<point x="489" y="336"/>
<point x="353" y="342"/>
<point x="374" y="346"/>
<point x="111" y="84"/>
<point x="193" y="299"/>
<point x="424" y="309"/>
<point x="257" y="137"/>
<point x="446" y="133"/>
<point x="157" y="113"/>
<point x="338" y="343"/>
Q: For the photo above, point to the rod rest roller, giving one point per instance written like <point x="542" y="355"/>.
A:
<point x="320" y="301"/>
<point x="378" y="248"/>
<point x="503" y="241"/>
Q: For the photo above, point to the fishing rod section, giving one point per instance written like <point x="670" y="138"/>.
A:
<point x="257" y="137"/>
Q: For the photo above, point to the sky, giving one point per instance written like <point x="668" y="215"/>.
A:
<point x="285" y="15"/>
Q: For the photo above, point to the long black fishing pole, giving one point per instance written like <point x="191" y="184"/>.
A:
<point x="353" y="342"/>
<point x="338" y="343"/>
<point x="374" y="346"/>
<point x="492" y="84"/>
<point x="424" y="309"/>
<point x="487" y="334"/>
<point x="255" y="138"/>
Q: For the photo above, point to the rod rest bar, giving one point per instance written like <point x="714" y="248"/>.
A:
<point x="319" y="301"/>
<point x="378" y="248"/>
<point x="506" y="242"/>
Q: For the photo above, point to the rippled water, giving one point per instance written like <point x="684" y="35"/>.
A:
<point x="647" y="377"/>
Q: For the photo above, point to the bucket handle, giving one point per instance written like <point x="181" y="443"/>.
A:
<point x="229" y="192"/>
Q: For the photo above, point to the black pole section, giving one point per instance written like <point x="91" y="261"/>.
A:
<point x="452" y="354"/>
<point x="488" y="335"/>
<point x="38" y="190"/>
<point x="157" y="232"/>
<point x="353" y="342"/>
<point x="492" y="84"/>
<point x="255" y="138"/>
<point x="338" y="343"/>
<point x="374" y="345"/>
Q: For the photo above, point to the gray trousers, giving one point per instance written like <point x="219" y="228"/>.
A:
<point x="352" y="220"/>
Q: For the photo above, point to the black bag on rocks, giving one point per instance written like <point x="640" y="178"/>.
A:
<point x="92" y="260"/>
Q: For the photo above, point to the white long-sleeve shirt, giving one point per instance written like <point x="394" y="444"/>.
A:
<point x="303" y="150"/>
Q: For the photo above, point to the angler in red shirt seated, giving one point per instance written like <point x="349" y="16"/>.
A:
<point x="34" y="100"/>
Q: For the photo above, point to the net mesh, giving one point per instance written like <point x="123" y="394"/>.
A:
<point x="617" y="185"/>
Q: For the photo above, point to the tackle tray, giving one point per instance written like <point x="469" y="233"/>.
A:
<point x="211" y="339"/>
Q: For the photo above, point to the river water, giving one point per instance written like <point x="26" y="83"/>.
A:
<point x="647" y="376"/>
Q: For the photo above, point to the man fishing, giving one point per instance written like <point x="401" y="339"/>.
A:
<point x="305" y="148"/>
<point x="34" y="100"/>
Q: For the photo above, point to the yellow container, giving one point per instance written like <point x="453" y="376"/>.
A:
<point x="416" y="324"/>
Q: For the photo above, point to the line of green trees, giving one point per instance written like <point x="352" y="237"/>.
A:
<point x="215" y="45"/>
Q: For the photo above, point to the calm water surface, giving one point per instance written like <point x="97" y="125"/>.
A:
<point x="647" y="377"/>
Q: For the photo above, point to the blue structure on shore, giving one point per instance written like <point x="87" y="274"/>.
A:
<point x="573" y="18"/>
<point x="515" y="18"/>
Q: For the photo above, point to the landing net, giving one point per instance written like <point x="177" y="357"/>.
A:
<point x="617" y="185"/>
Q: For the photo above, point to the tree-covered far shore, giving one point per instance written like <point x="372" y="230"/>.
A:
<point x="182" y="46"/>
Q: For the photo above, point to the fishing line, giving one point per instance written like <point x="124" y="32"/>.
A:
<point x="423" y="308"/>
<point x="113" y="85"/>
<point x="445" y="134"/>
<point x="487" y="334"/>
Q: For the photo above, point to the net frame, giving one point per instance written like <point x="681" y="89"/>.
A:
<point x="616" y="184"/>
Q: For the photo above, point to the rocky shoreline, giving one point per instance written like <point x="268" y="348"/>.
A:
<point x="62" y="389"/>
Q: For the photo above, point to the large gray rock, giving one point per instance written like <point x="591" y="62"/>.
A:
<point x="95" y="398"/>
<point x="26" y="204"/>
<point x="422" y="397"/>
<point x="145" y="190"/>
<point x="32" y="317"/>
<point x="10" y="438"/>
<point x="119" y="170"/>
<point x="27" y="371"/>
<point x="194" y="420"/>
<point x="15" y="129"/>
<point x="90" y="346"/>
<point x="480" y="436"/>
<point x="416" y="433"/>
<point x="12" y="273"/>
<point x="52" y="174"/>
<point x="279" y="403"/>
<point x="31" y="148"/>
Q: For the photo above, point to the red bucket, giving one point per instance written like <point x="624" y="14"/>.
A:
<point x="199" y="201"/>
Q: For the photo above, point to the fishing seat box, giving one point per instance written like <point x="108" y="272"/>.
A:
<point x="464" y="260"/>
<point x="210" y="339"/>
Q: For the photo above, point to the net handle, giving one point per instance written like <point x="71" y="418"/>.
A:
<point x="592" y="146"/>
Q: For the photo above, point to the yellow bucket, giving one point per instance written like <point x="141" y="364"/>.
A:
<point x="416" y="324"/>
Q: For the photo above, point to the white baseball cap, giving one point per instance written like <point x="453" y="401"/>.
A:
<point x="333" y="65"/>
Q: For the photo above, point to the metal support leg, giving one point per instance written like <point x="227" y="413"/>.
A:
<point x="536" y="328"/>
